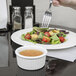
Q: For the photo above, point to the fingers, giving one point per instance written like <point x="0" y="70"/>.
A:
<point x="56" y="3"/>
<point x="67" y="3"/>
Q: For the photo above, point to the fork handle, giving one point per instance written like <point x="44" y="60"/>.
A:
<point x="50" y="3"/>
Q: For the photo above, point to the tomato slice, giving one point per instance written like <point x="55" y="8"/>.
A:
<point x="62" y="39"/>
<point x="47" y="34"/>
<point x="28" y="36"/>
<point x="44" y="39"/>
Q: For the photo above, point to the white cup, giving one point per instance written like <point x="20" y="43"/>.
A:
<point x="31" y="63"/>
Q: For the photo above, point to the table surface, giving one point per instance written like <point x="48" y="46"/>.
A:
<point x="57" y="67"/>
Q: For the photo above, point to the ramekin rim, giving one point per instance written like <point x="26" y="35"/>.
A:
<point x="28" y="57"/>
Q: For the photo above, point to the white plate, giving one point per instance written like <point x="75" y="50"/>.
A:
<point x="71" y="40"/>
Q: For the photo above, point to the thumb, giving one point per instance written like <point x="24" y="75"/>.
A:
<point x="56" y="2"/>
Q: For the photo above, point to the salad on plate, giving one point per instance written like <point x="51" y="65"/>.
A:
<point x="45" y="36"/>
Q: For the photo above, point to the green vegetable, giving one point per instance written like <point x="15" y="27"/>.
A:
<point x="41" y="35"/>
<point x="54" y="37"/>
<point x="64" y="35"/>
<point x="38" y="29"/>
<point x="32" y="32"/>
<point x="61" y="34"/>
<point x="23" y="36"/>
<point x="55" y="42"/>
<point x="31" y="41"/>
<point x="37" y="38"/>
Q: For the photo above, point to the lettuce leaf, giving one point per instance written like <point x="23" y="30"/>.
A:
<point x="55" y="42"/>
<point x="41" y="35"/>
<point x="54" y="37"/>
<point x="32" y="32"/>
<point x="23" y="36"/>
<point x="38" y="29"/>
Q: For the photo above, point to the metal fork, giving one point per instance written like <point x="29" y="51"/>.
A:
<point x="47" y="17"/>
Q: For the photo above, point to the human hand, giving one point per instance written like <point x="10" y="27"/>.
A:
<point x="68" y="3"/>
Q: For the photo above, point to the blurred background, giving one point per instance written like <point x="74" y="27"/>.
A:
<point x="62" y="16"/>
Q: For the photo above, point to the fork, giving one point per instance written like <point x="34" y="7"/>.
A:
<point x="47" y="17"/>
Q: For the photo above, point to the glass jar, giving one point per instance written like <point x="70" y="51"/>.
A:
<point x="16" y="18"/>
<point x="28" y="17"/>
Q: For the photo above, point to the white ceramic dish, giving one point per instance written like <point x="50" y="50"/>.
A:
<point x="71" y="40"/>
<point x="31" y="63"/>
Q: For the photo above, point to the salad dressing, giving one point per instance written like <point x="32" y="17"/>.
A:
<point x="31" y="52"/>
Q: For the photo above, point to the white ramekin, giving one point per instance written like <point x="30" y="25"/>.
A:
<point x="31" y="63"/>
